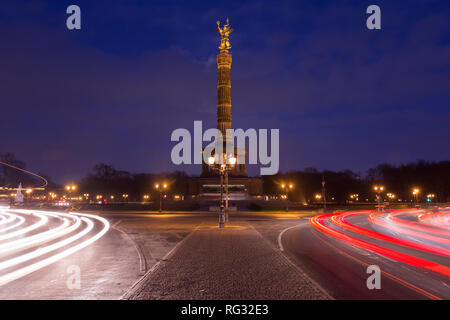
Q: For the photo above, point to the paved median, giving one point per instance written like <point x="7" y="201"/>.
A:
<point x="231" y="263"/>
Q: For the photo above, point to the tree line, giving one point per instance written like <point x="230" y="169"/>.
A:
<point x="105" y="179"/>
<point x="428" y="177"/>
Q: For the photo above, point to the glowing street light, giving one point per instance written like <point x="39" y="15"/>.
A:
<point x="378" y="190"/>
<point x="227" y="164"/>
<point x="287" y="187"/>
<point x="161" y="187"/>
<point x="430" y="197"/>
<point x="391" y="195"/>
<point x="71" y="188"/>
<point x="415" y="193"/>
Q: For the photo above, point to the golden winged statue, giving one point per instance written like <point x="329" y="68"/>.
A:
<point x="224" y="35"/>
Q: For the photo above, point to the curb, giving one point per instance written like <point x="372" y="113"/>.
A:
<point x="136" y="287"/>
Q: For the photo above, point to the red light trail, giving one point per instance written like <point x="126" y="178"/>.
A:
<point x="338" y="219"/>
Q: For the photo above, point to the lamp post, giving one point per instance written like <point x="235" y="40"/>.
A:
<point x="161" y="188"/>
<point x="318" y="197"/>
<point x="430" y="198"/>
<point x="70" y="189"/>
<point x="28" y="192"/>
<point x="378" y="190"/>
<point x="324" y="196"/>
<point x="227" y="164"/>
<point x="288" y="188"/>
<point x="415" y="193"/>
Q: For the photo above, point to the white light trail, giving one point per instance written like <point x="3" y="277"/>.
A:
<point x="43" y="220"/>
<point x="63" y="229"/>
<point x="5" y="220"/>
<point x="59" y="247"/>
<point x="19" y="223"/>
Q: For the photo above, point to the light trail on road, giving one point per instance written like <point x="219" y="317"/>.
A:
<point x="402" y="236"/>
<point x="340" y="220"/>
<point x="417" y="229"/>
<point x="11" y="218"/>
<point x="45" y="238"/>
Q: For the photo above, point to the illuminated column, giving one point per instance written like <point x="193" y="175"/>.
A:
<point x="224" y="92"/>
<point x="224" y="81"/>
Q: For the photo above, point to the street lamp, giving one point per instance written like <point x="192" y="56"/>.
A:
<point x="287" y="188"/>
<point x="378" y="190"/>
<point x="71" y="188"/>
<point x="28" y="192"/>
<point x="430" y="197"/>
<point x="227" y="164"/>
<point x="415" y="193"/>
<point x="161" y="187"/>
<point x="391" y="196"/>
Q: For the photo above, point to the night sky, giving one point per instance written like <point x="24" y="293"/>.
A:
<point x="343" y="97"/>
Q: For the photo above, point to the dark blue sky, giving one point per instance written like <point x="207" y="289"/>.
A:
<point x="342" y="96"/>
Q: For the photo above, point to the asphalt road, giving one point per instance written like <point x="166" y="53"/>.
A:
<point x="341" y="266"/>
<point x="44" y="264"/>
<point x="109" y="267"/>
<point x="139" y="243"/>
